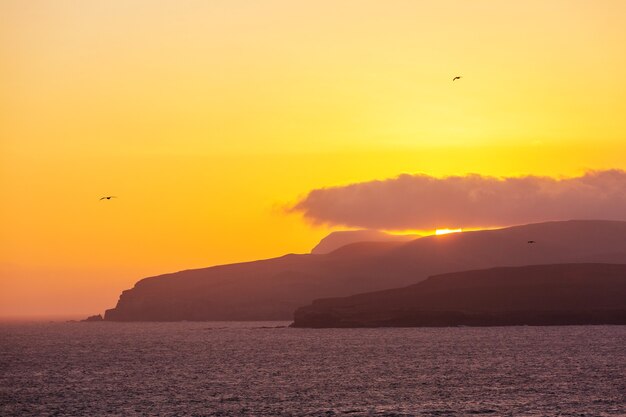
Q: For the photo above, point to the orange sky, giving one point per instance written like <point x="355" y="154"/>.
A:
<point x="206" y="118"/>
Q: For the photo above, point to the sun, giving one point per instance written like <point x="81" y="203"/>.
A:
<point x="447" y="231"/>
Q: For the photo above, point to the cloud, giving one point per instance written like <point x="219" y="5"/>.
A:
<point x="425" y="202"/>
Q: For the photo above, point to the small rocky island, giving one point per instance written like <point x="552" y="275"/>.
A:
<point x="561" y="294"/>
<point x="95" y="318"/>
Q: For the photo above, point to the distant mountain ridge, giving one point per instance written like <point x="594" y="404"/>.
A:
<point x="272" y="289"/>
<point x="561" y="294"/>
<point x="335" y="240"/>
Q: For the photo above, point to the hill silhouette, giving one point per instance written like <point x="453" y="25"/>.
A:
<point x="528" y="295"/>
<point x="272" y="289"/>
<point x="335" y="240"/>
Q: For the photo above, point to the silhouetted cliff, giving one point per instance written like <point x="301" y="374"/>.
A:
<point x="529" y="295"/>
<point x="272" y="289"/>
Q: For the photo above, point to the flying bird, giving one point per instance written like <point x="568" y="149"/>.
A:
<point x="531" y="241"/>
<point x="108" y="197"/>
<point x="458" y="77"/>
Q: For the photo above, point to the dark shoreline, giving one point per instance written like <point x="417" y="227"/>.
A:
<point x="462" y="319"/>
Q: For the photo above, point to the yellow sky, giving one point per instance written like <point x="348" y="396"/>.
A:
<point x="206" y="118"/>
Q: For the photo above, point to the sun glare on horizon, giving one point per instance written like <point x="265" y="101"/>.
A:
<point x="447" y="231"/>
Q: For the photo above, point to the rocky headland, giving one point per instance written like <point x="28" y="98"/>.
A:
<point x="273" y="289"/>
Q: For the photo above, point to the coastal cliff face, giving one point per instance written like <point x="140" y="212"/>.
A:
<point x="530" y="295"/>
<point x="272" y="289"/>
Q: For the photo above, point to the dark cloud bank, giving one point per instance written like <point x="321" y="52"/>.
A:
<point x="425" y="202"/>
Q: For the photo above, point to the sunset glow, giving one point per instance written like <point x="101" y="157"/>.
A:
<point x="208" y="120"/>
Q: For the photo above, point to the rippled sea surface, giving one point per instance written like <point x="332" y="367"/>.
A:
<point x="254" y="368"/>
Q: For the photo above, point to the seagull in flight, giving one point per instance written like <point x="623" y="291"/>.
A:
<point x="458" y="77"/>
<point x="108" y="197"/>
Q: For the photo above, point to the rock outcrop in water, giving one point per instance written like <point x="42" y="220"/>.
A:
<point x="529" y="295"/>
<point x="97" y="317"/>
<point x="272" y="289"/>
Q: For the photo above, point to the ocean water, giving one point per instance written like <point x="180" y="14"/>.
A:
<point x="264" y="369"/>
